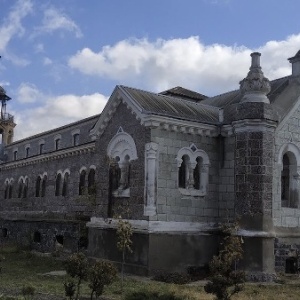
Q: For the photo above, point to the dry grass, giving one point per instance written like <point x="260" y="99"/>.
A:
<point x="23" y="268"/>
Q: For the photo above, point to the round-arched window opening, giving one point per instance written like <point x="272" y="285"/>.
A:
<point x="4" y="232"/>
<point x="37" y="237"/>
<point x="60" y="239"/>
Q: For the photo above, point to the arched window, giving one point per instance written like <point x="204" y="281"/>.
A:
<point x="58" y="184"/>
<point x="289" y="178"/>
<point x="6" y="190"/>
<point x="122" y="151"/>
<point x="76" y="139"/>
<point x="10" y="190"/>
<point x="25" y="189"/>
<point x="82" y="182"/>
<point x="91" y="182"/>
<point x="21" y="187"/>
<point x="65" y="185"/>
<point x="183" y="173"/>
<point x="44" y="182"/>
<point x="38" y="187"/>
<point x="193" y="166"/>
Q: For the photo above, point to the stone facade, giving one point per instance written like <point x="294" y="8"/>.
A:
<point x="177" y="165"/>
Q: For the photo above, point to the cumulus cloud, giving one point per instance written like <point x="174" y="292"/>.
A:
<point x="47" y="61"/>
<point x="57" y="111"/>
<point x="12" y="25"/>
<point x="54" y="20"/>
<point x="28" y="93"/>
<point x="162" y="64"/>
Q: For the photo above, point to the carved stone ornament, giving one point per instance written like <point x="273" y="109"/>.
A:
<point x="255" y="86"/>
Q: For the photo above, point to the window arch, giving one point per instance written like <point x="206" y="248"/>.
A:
<point x="57" y="142"/>
<point x="6" y="184"/>
<point x="193" y="165"/>
<point x="58" y="184"/>
<point x="122" y="151"/>
<point x="10" y="189"/>
<point x="289" y="162"/>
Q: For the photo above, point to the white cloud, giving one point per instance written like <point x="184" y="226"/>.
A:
<point x="28" y="93"/>
<point x="186" y="62"/>
<point x="39" y="48"/>
<point x="12" y="25"/>
<point x="55" y="20"/>
<point x="47" y="61"/>
<point x="57" y="111"/>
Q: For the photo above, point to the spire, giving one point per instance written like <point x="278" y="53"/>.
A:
<point x="255" y="86"/>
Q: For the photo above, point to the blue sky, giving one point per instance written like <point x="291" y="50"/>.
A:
<point x="61" y="59"/>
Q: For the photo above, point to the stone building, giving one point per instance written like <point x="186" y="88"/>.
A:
<point x="177" y="164"/>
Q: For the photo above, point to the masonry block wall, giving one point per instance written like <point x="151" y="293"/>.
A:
<point x="171" y="204"/>
<point x="141" y="135"/>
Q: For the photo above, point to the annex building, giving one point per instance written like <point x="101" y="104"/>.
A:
<point x="177" y="164"/>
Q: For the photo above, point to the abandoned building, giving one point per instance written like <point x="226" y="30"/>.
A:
<point x="177" y="164"/>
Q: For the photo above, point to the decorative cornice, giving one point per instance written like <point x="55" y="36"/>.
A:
<point x="78" y="150"/>
<point x="254" y="125"/>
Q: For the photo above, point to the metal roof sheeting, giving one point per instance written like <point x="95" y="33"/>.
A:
<point x="158" y="104"/>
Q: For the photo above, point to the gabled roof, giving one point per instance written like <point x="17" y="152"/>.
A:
<point x="157" y="108"/>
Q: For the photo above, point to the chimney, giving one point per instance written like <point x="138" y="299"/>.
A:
<point x="295" y="61"/>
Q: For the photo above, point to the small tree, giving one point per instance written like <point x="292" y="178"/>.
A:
<point x="77" y="267"/>
<point x="101" y="273"/>
<point x="69" y="289"/>
<point x="124" y="243"/>
<point x="225" y="280"/>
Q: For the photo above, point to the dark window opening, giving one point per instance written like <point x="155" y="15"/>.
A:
<point x="20" y="191"/>
<point x="57" y="184"/>
<point x="183" y="173"/>
<point x="38" y="187"/>
<point x="37" y="237"/>
<point x="60" y="239"/>
<point x="76" y="139"/>
<point x="65" y="185"/>
<point x="4" y="232"/>
<point x="41" y="148"/>
<point x="91" y="182"/>
<point x="6" y="191"/>
<point x="82" y="182"/>
<point x="15" y="155"/>
<point x="291" y="265"/>
<point x="25" y="189"/>
<point x="10" y="191"/>
<point x="27" y="152"/>
<point x="57" y="144"/>
<point x="44" y="186"/>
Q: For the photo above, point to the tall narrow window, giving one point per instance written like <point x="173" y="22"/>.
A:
<point x="76" y="139"/>
<point x="183" y="172"/>
<point x="58" y="184"/>
<point x="91" y="182"/>
<point x="65" y="185"/>
<point x="82" y="182"/>
<point x="10" y="190"/>
<point x="57" y="144"/>
<point x="38" y="187"/>
<point x="15" y="155"/>
<point x="21" y="186"/>
<point x="27" y="152"/>
<point x="42" y="146"/>
<point x="44" y="182"/>
<point x="25" y="189"/>
<point x="6" y="190"/>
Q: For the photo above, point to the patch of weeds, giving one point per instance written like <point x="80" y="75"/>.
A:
<point x="152" y="295"/>
<point x="172" y="277"/>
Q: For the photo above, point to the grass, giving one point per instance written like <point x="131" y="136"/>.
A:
<point x="21" y="269"/>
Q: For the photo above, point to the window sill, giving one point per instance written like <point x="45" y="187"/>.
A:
<point x="192" y="192"/>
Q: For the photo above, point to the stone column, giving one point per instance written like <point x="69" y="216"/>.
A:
<point x="254" y="128"/>
<point x="151" y="168"/>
